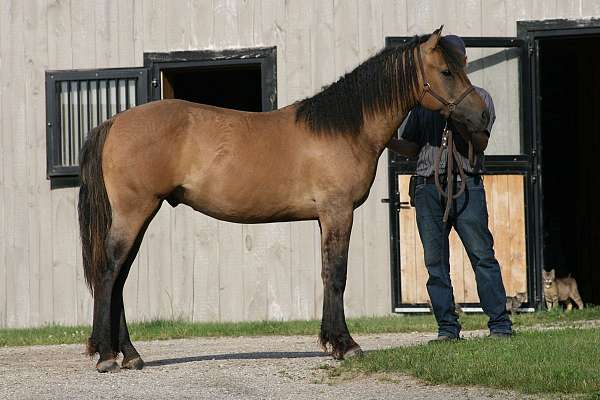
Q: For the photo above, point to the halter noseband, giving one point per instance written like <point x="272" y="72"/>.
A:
<point x="451" y="105"/>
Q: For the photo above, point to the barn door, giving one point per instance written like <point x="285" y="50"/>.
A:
<point x="79" y="100"/>
<point x="497" y="65"/>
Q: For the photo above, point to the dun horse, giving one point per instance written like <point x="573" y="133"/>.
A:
<point x="313" y="160"/>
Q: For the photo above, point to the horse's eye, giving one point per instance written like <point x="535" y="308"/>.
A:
<point x="447" y="72"/>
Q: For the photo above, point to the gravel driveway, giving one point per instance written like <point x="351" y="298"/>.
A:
<point x="215" y="368"/>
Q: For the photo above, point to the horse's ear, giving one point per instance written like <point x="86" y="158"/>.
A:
<point x="434" y="39"/>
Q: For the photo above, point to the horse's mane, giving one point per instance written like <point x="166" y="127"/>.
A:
<point x="385" y="82"/>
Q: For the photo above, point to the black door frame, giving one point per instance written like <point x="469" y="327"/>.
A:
<point x="265" y="57"/>
<point x="532" y="32"/>
<point x="518" y="164"/>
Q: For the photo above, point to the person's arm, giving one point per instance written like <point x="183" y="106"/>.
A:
<point x="404" y="147"/>
<point x="408" y="144"/>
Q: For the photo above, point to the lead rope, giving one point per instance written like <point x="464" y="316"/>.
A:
<point x="451" y="156"/>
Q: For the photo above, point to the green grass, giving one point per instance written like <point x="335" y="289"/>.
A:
<point x="564" y="361"/>
<point x="157" y="330"/>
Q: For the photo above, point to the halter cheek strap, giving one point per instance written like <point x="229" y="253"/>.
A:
<point x="450" y="105"/>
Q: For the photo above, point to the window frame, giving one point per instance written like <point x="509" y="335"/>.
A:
<point x="61" y="175"/>
<point x="266" y="57"/>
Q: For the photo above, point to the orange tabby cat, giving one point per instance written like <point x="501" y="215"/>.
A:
<point x="561" y="290"/>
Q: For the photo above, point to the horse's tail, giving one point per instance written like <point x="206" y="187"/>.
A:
<point x="95" y="216"/>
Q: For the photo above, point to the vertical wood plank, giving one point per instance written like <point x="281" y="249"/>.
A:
<point x="570" y="8"/>
<point x="18" y="262"/>
<point x="255" y="272"/>
<point x="226" y="30"/>
<point x="409" y="241"/>
<point x="447" y="13"/>
<point x="107" y="37"/>
<point x="64" y="228"/>
<point x="5" y="142"/>
<point x="44" y="218"/>
<point x="590" y="8"/>
<point x="35" y="54"/>
<point x="394" y="18"/>
<point x="517" y="10"/>
<point x="84" y="56"/>
<point x="517" y="261"/>
<point x="4" y="73"/>
<point x="420" y="16"/>
<point x="246" y="22"/>
<point x="206" y="269"/>
<point x="201" y="23"/>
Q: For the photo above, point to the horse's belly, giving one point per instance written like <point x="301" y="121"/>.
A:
<point x="250" y="206"/>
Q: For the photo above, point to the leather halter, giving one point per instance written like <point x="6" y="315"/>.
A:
<point x="451" y="105"/>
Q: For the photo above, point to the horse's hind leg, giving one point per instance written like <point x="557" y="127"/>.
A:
<point x="131" y="357"/>
<point x="335" y="239"/>
<point x="108" y="302"/>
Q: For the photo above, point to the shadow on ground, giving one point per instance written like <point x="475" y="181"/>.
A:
<point x="263" y="355"/>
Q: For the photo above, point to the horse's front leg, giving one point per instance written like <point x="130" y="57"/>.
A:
<point x="336" y="226"/>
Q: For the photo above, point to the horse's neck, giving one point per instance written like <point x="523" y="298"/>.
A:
<point x="379" y="129"/>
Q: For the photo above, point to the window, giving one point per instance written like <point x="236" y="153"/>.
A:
<point x="78" y="101"/>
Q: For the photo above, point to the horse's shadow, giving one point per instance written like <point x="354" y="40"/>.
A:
<point x="261" y="355"/>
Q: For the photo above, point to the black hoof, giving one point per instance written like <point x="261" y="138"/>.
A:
<point x="354" y="352"/>
<point x="108" y="366"/>
<point x="134" y="363"/>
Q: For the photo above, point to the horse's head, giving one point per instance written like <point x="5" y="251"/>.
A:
<point x="444" y="85"/>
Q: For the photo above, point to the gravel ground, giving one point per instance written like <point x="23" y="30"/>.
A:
<point x="216" y="368"/>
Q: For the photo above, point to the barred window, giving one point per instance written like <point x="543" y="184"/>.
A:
<point x="78" y="101"/>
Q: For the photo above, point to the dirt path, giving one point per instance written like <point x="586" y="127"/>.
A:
<point x="214" y="368"/>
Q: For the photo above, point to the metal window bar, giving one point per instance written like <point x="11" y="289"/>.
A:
<point x="85" y="104"/>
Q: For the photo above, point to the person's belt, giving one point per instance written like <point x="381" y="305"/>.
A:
<point x="444" y="178"/>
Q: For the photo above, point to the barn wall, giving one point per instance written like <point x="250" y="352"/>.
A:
<point x="191" y="266"/>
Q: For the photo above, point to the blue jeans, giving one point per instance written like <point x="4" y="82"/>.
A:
<point x="469" y="217"/>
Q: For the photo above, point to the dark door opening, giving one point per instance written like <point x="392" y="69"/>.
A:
<point x="228" y="86"/>
<point x="569" y="84"/>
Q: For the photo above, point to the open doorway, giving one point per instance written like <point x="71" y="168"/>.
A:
<point x="228" y="86"/>
<point x="569" y="85"/>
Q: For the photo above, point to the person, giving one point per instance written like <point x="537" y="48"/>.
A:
<point x="422" y="136"/>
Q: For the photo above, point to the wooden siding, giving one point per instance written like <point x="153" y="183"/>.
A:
<point x="191" y="266"/>
<point x="505" y="198"/>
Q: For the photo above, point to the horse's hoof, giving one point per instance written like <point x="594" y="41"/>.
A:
<point x="356" y="351"/>
<point x="108" y="366"/>
<point x="134" y="363"/>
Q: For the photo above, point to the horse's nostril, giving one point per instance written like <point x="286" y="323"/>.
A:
<point x="485" y="116"/>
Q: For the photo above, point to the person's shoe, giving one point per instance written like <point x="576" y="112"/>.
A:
<point x="501" y="335"/>
<point x="444" y="338"/>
